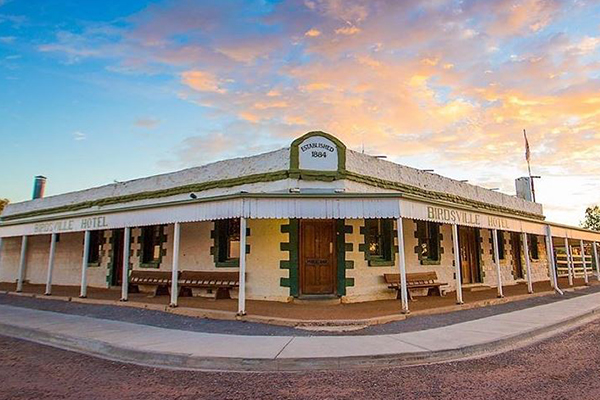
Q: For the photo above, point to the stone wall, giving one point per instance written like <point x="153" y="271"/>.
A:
<point x="267" y="261"/>
<point x="67" y="261"/>
<point x="369" y="283"/>
<point x="263" y="273"/>
<point x="539" y="267"/>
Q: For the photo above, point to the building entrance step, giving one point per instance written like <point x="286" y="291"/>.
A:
<point x="479" y="287"/>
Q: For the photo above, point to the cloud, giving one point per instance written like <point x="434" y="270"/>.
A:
<point x="312" y="33"/>
<point x="347" y="30"/>
<point x="78" y="136"/>
<point x="455" y="81"/>
<point x="147" y="123"/>
<point x="7" y="39"/>
<point x="202" y="81"/>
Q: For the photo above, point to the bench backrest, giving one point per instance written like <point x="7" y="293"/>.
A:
<point x="209" y="276"/>
<point x="137" y="275"/>
<point x="413" y="278"/>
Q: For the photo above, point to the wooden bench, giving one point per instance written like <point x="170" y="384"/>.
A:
<point x="160" y="280"/>
<point x="221" y="281"/>
<point x="415" y="280"/>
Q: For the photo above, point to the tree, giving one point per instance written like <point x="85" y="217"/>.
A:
<point x="3" y="203"/>
<point x="592" y="218"/>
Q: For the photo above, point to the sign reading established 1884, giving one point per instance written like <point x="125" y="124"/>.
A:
<point x="318" y="153"/>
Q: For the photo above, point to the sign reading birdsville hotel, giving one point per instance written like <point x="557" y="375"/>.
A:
<point x="410" y="209"/>
<point x="318" y="153"/>
<point x="70" y="225"/>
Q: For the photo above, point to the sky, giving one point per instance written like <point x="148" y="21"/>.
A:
<point x="97" y="91"/>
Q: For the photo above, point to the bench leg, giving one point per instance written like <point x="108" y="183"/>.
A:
<point x="161" y="290"/>
<point x="222" y="293"/>
<point x="399" y="295"/>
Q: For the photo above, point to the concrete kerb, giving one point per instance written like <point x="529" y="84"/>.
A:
<point x="189" y="362"/>
<point x="290" y="322"/>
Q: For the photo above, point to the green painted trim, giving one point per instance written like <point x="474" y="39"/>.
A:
<point x="373" y="261"/>
<point x="420" y="241"/>
<point x="163" y="239"/>
<point x="409" y="191"/>
<point x="296" y="172"/>
<point x="291" y="264"/>
<point x="380" y="263"/>
<point x="197" y="187"/>
<point x="405" y="191"/>
<point x="214" y="249"/>
<point x="430" y="262"/>
<point x="341" y="248"/>
<point x="233" y="263"/>
<point x="111" y="258"/>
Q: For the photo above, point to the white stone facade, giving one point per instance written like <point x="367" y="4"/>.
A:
<point x="263" y="260"/>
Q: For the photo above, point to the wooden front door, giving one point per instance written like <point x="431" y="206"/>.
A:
<point x="117" y="263"/>
<point x="515" y="245"/>
<point x="317" y="257"/>
<point x="469" y="258"/>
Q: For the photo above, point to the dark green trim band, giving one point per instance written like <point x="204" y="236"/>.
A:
<point x="406" y="191"/>
<point x="419" y="193"/>
<point x="340" y="245"/>
<point x="198" y="187"/>
<point x="291" y="264"/>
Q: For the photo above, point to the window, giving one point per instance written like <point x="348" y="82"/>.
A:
<point x="95" y="247"/>
<point x="227" y="235"/>
<point x="428" y="235"/>
<point x="500" y="244"/>
<point x="534" y="251"/>
<point x="152" y="239"/>
<point x="379" y="241"/>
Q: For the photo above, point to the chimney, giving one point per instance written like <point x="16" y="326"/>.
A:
<point x="39" y="185"/>
<point x="523" y="186"/>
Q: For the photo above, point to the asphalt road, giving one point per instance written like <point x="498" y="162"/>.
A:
<point x="173" y="321"/>
<point x="566" y="366"/>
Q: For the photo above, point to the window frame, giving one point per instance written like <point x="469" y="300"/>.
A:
<point x="158" y="234"/>
<point x="533" y="247"/>
<point x="385" y="227"/>
<point x="222" y="243"/>
<point x="425" y="227"/>
<point x="501" y="244"/>
<point x="95" y="248"/>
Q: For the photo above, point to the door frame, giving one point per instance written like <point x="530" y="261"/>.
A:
<point x="473" y="247"/>
<point x="334" y="257"/>
<point x="515" y="237"/>
<point x="117" y="257"/>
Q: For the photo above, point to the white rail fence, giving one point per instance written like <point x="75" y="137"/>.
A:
<point x="563" y="266"/>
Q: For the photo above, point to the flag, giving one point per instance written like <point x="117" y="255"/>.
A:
<point x="527" y="152"/>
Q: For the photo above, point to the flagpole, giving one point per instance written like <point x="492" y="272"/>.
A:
<point x="529" y="165"/>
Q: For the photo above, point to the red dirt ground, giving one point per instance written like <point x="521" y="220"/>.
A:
<point x="563" y="367"/>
